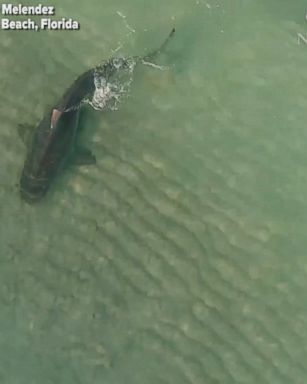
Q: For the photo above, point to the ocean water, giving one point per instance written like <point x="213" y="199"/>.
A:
<point x="181" y="256"/>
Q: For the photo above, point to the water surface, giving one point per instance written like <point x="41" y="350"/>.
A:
<point x="181" y="256"/>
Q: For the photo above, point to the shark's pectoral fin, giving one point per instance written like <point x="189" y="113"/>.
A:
<point x="83" y="156"/>
<point x="25" y="133"/>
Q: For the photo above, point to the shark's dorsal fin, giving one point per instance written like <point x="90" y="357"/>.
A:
<point x="55" y="115"/>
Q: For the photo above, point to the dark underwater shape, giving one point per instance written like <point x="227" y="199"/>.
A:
<point x="54" y="140"/>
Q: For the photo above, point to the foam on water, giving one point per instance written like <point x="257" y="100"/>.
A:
<point x="112" y="81"/>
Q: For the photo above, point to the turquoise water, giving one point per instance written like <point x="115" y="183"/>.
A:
<point x="181" y="256"/>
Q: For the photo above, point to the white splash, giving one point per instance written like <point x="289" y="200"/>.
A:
<point x="120" y="14"/>
<point x="153" y="65"/>
<point x="112" y="81"/>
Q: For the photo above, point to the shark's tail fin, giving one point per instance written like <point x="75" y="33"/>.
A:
<point x="154" y="53"/>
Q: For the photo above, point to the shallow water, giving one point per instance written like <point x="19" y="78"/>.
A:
<point x="181" y="256"/>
